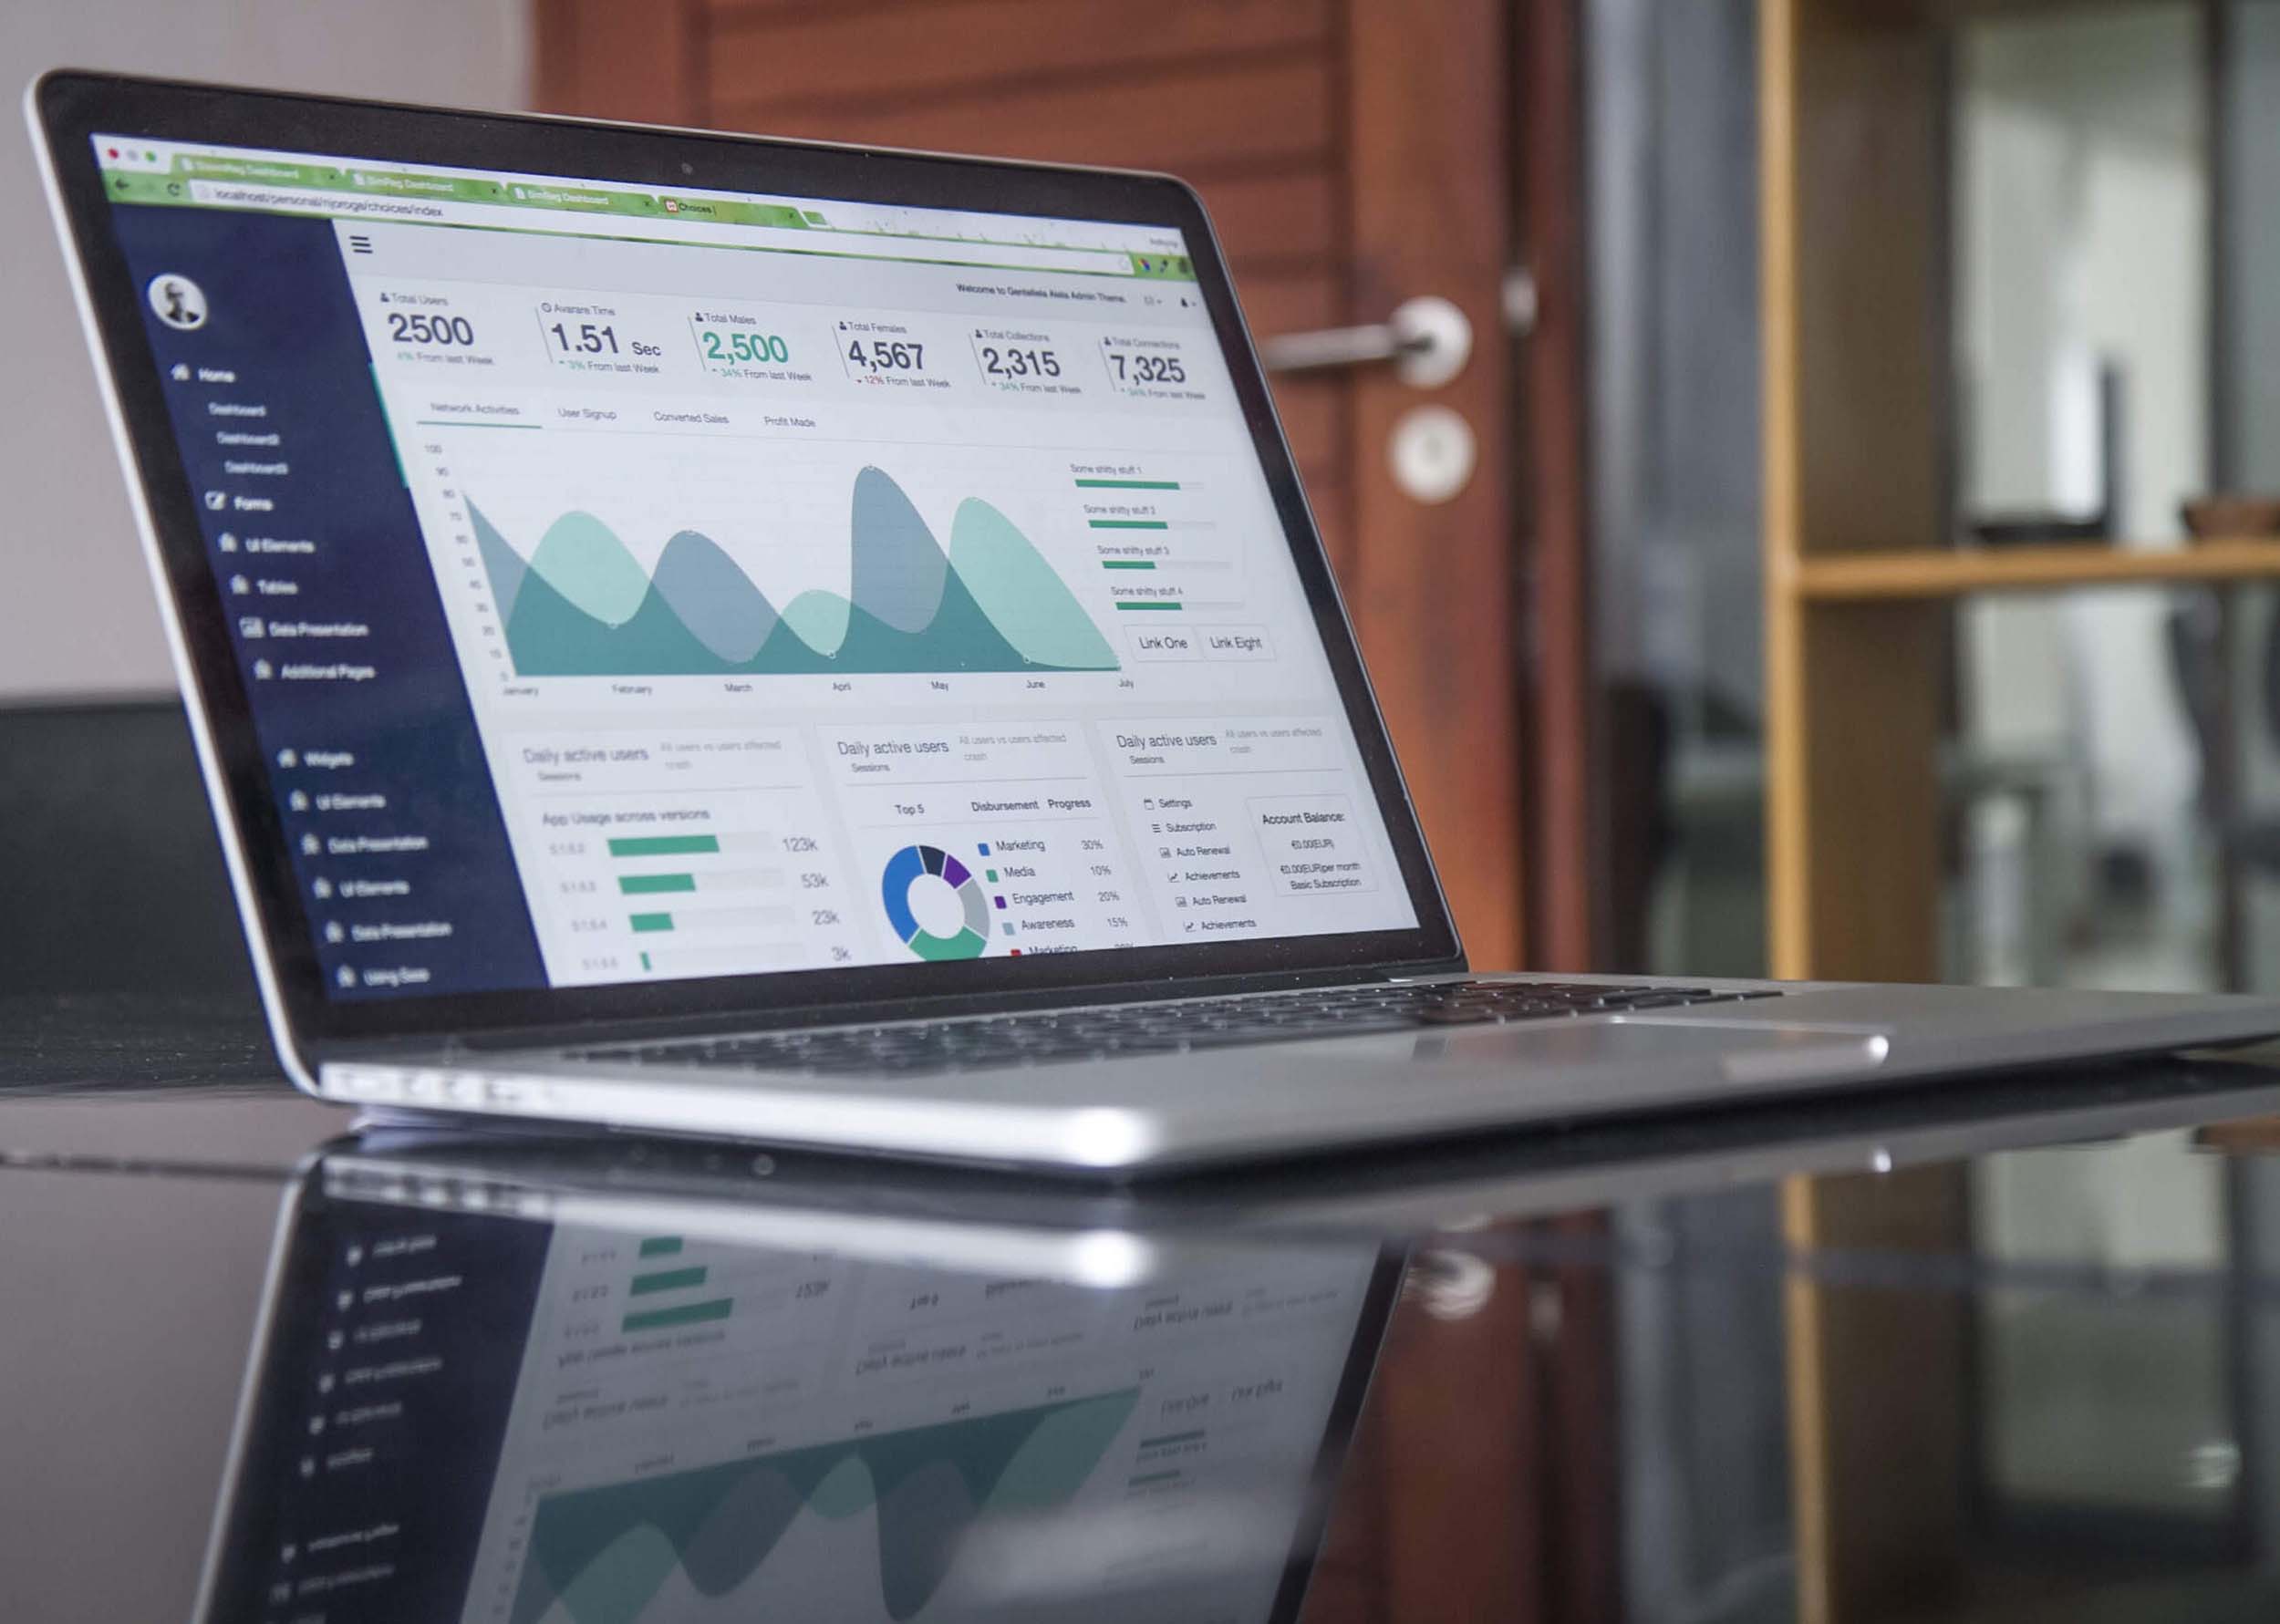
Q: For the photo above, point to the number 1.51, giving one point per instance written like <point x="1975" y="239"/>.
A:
<point x="587" y="338"/>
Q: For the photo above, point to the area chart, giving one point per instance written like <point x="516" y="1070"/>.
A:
<point x="581" y="604"/>
<point x="604" y="1554"/>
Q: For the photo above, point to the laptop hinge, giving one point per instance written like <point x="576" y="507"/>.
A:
<point x="764" y="1018"/>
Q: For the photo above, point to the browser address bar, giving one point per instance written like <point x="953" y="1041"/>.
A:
<point x="442" y="212"/>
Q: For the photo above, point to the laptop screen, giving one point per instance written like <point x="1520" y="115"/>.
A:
<point x="636" y="585"/>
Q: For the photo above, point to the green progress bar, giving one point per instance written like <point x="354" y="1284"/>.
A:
<point x="1171" y="1438"/>
<point x="668" y="1280"/>
<point x="646" y="884"/>
<point x="1127" y="563"/>
<point x="1125" y="604"/>
<point x="1129" y="523"/>
<point x="661" y="1245"/>
<point x="1148" y="1477"/>
<point x="664" y="846"/>
<point x="1127" y="485"/>
<point x="687" y="1314"/>
<point x="642" y="922"/>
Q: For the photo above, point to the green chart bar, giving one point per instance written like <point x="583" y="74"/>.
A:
<point x="646" y="922"/>
<point x="661" y="1245"/>
<point x="1148" y="1477"/>
<point x="647" y="884"/>
<point x="1129" y="523"/>
<point x="664" y="846"/>
<point x="1127" y="485"/>
<point x="1169" y="1438"/>
<point x="1127" y="563"/>
<point x="1128" y="604"/>
<point x="668" y="1280"/>
<point x="687" y="1314"/>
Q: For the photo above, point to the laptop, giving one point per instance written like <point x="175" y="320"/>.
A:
<point x="822" y="646"/>
<point x="479" y="1395"/>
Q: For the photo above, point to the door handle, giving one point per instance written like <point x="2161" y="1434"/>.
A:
<point x="1427" y="340"/>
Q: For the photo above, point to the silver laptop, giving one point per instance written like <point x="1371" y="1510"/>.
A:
<point x="706" y="635"/>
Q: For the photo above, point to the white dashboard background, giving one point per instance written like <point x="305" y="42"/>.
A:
<point x="79" y="618"/>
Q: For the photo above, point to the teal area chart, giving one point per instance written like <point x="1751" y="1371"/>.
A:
<point x="581" y="605"/>
<point x="601" y="1555"/>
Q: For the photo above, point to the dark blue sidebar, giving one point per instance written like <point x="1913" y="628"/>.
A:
<point x="400" y="847"/>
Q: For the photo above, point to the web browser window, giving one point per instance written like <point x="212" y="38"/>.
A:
<point x="638" y="584"/>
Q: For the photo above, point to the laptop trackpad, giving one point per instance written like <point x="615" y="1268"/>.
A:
<point x="1767" y="1053"/>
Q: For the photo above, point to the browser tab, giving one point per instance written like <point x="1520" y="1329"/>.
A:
<point x="571" y="197"/>
<point x="253" y="169"/>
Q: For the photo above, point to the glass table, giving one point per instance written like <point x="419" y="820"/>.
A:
<point x="2000" y="1349"/>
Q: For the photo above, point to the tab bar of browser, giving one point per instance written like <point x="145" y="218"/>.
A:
<point x="663" y="227"/>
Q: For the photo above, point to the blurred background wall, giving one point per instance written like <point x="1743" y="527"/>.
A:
<point x="78" y="618"/>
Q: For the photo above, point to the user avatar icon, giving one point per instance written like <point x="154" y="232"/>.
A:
<point x="180" y="303"/>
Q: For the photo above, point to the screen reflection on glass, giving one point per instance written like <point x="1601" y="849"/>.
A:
<point x="468" y="1406"/>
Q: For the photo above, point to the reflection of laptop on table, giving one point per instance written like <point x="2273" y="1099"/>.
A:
<point x="499" y="1401"/>
<point x="735" y="637"/>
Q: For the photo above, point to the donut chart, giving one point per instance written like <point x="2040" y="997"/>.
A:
<point x="915" y="865"/>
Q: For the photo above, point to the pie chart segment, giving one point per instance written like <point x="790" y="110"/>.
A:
<point x="930" y="865"/>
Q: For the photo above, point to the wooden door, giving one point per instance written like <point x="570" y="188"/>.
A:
<point x="1353" y="153"/>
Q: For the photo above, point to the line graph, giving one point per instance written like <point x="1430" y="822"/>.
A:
<point x="580" y="603"/>
<point x="602" y="1555"/>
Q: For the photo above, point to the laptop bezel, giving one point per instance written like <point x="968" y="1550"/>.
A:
<point x="71" y="108"/>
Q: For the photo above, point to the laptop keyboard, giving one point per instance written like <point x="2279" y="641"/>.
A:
<point x="1157" y="1028"/>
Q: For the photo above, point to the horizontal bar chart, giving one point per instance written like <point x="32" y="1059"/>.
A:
<point x="680" y="919"/>
<point x="702" y="1313"/>
<point x="705" y="881"/>
<point x="663" y="845"/>
<point x="725" y="961"/>
<point x="668" y="1280"/>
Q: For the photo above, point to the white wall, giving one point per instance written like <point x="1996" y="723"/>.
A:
<point x="77" y="617"/>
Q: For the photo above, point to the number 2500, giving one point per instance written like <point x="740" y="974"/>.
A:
<point x="430" y="329"/>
